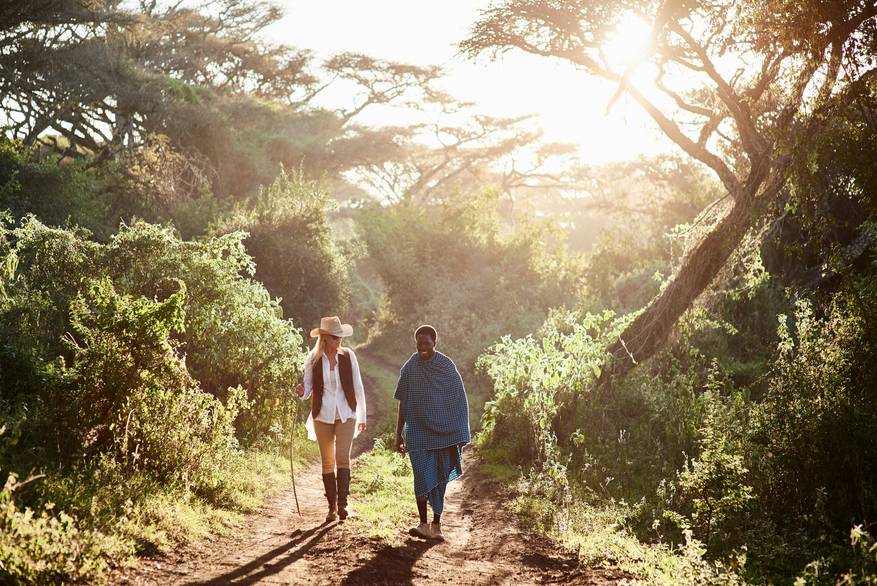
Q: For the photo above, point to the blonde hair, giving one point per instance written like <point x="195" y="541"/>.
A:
<point x="320" y="349"/>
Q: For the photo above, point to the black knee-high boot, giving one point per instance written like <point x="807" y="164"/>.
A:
<point x="331" y="495"/>
<point x="343" y="491"/>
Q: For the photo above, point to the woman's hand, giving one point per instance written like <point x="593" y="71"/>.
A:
<point x="300" y="389"/>
<point x="360" y="427"/>
<point x="400" y="445"/>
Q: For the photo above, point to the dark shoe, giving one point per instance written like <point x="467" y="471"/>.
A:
<point x="343" y="491"/>
<point x="331" y="496"/>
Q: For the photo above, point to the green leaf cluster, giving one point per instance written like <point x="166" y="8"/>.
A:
<point x="294" y="247"/>
<point x="39" y="547"/>
<point x="450" y="265"/>
<point x="146" y="362"/>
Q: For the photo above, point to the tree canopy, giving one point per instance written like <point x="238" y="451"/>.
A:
<point x="738" y="86"/>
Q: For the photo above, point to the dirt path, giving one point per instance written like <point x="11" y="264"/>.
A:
<point x="484" y="545"/>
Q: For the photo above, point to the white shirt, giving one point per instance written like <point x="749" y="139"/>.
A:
<point x="335" y="404"/>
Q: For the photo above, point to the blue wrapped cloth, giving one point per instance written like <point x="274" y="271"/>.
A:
<point x="433" y="403"/>
<point x="433" y="470"/>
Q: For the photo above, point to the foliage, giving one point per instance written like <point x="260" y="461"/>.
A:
<point x="129" y="396"/>
<point x="821" y="393"/>
<point x="822" y="230"/>
<point x="538" y="385"/>
<point x="129" y="69"/>
<point x="45" y="548"/>
<point x="652" y="203"/>
<point x="293" y="247"/>
<point x="447" y="264"/>
<point x="183" y="102"/>
<point x="130" y="370"/>
<point x="863" y="569"/>
<point x="600" y="535"/>
<point x="108" y="518"/>
<point x="711" y="493"/>
<point x="734" y="471"/>
<point x="112" y="339"/>
<point x="57" y="194"/>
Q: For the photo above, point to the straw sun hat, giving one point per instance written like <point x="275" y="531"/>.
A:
<point x="332" y="326"/>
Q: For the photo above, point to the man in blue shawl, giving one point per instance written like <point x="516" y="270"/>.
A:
<point x="434" y="416"/>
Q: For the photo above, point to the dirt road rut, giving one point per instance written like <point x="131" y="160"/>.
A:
<point x="484" y="544"/>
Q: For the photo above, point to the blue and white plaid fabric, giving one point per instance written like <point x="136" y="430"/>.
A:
<point x="433" y="470"/>
<point x="433" y="403"/>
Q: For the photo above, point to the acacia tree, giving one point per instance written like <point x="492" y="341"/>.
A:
<point x="738" y="86"/>
<point x="463" y="150"/>
<point x="102" y="81"/>
<point x="98" y="80"/>
<point x="101" y="74"/>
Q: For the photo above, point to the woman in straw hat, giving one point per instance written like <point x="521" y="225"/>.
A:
<point x="332" y="379"/>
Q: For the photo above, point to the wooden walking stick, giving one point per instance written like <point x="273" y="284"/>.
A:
<point x="292" y="456"/>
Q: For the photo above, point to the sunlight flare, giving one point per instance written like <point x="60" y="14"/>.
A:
<point x="628" y="43"/>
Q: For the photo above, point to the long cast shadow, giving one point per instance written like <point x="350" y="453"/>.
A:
<point x="248" y="574"/>
<point x="391" y="565"/>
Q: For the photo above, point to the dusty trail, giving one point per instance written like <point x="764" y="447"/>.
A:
<point x="484" y="545"/>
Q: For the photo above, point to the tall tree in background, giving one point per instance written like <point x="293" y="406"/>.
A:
<point x="100" y="81"/>
<point x="738" y="86"/>
<point x="461" y="149"/>
<point x="103" y="82"/>
<point x="182" y="100"/>
<point x="103" y="74"/>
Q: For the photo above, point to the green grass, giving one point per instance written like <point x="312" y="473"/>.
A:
<point x="382" y="488"/>
<point x="382" y="493"/>
<point x="598" y="535"/>
<point x="97" y="518"/>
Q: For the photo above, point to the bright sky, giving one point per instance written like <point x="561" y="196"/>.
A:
<point x="572" y="104"/>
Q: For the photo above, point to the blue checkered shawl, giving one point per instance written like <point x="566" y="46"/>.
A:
<point x="433" y="403"/>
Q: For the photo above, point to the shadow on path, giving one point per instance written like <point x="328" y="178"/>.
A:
<point x="299" y="545"/>
<point x="390" y="565"/>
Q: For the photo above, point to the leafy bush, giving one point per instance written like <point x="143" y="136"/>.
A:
<point x="863" y="567"/>
<point x="139" y="364"/>
<point x="44" y="548"/>
<point x="130" y="396"/>
<point x="711" y="493"/>
<point x="814" y="437"/>
<point x="57" y="194"/>
<point x="230" y="336"/>
<point x="769" y="483"/>
<point x="293" y="247"/>
<point x="538" y="384"/>
<point x="447" y="264"/>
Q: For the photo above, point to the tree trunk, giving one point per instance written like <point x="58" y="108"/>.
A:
<point x="648" y="332"/>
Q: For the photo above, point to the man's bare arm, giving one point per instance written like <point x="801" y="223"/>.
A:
<point x="400" y="427"/>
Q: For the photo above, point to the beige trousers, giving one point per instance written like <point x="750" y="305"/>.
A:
<point x="335" y="441"/>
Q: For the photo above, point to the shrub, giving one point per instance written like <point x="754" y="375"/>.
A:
<point x="814" y="437"/>
<point x="231" y="335"/>
<point x="47" y="548"/>
<point x="130" y="371"/>
<point x="59" y="195"/>
<point x="293" y="247"/>
<point x="447" y="264"/>
<point x="130" y="397"/>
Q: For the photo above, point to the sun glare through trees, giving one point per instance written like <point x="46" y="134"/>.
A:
<point x="644" y="230"/>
